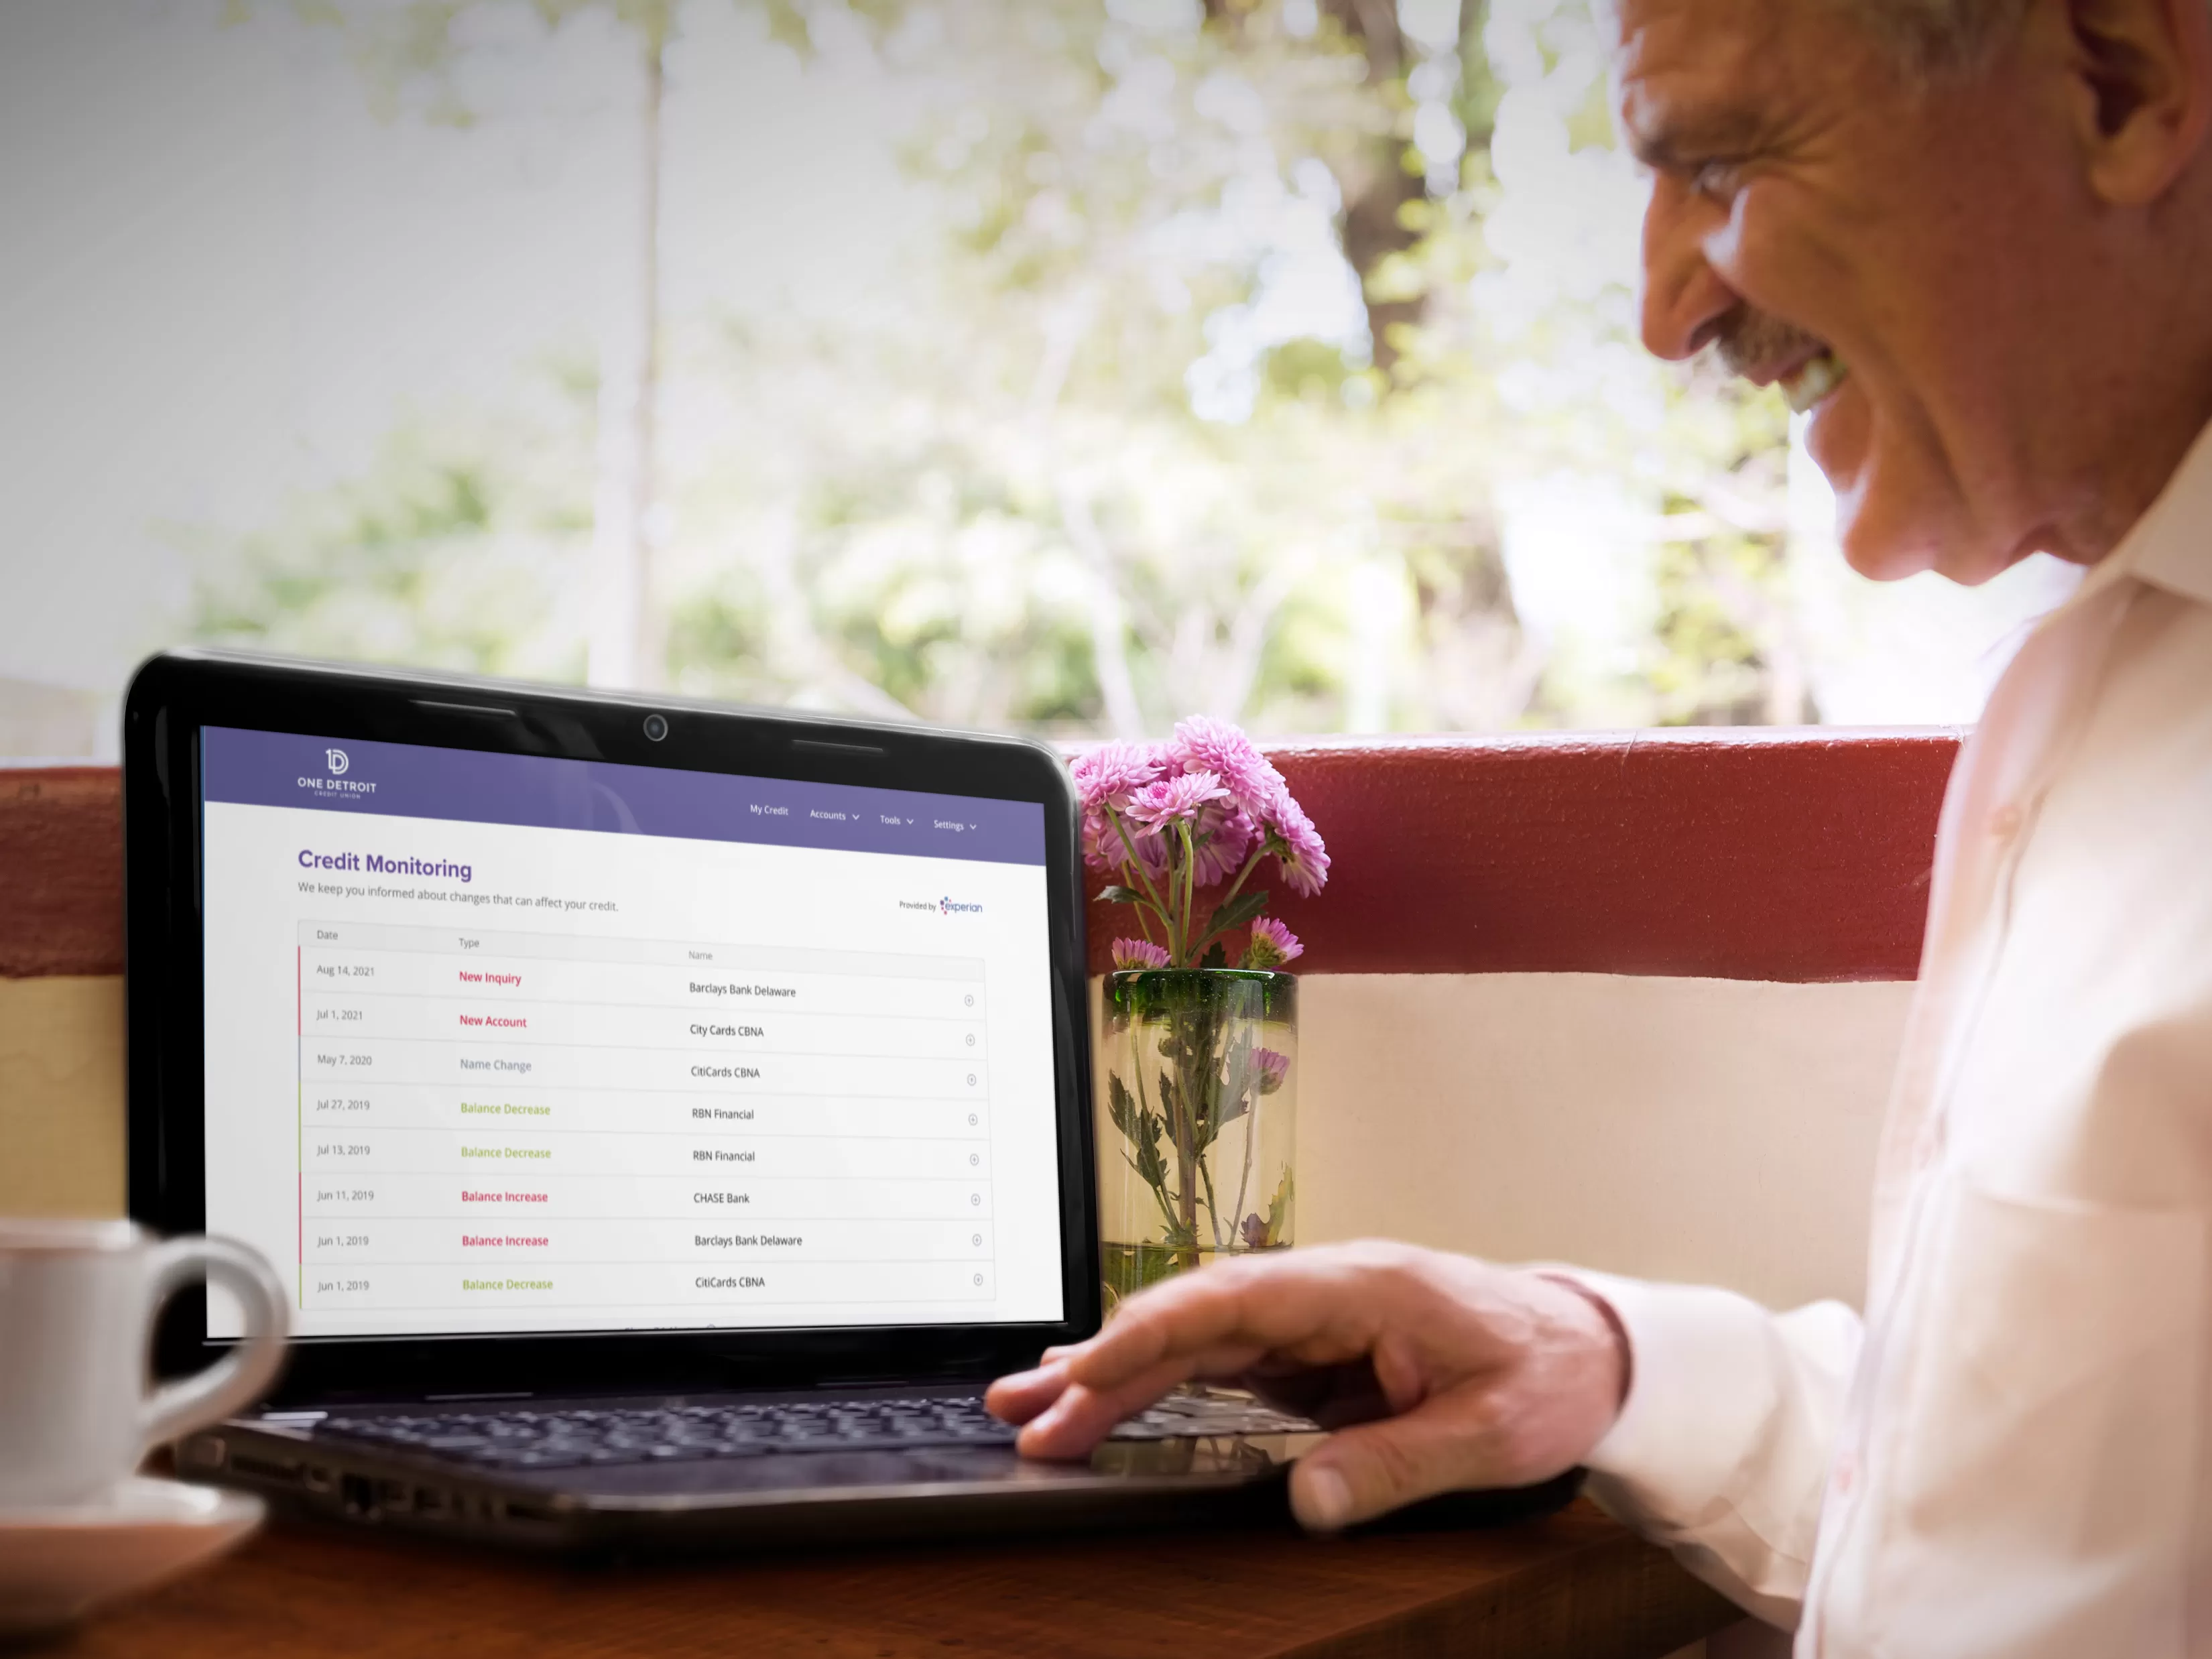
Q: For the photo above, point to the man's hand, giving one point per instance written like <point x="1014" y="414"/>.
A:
<point x="1456" y="1373"/>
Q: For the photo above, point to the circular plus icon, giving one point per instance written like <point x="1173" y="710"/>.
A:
<point x="975" y="1198"/>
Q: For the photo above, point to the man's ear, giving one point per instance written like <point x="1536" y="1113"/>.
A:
<point x="2142" y="72"/>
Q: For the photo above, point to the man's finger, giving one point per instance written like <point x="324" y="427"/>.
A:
<point x="1359" y="1474"/>
<point x="1018" y="1397"/>
<point x="1179" y="1326"/>
<point x="1081" y="1418"/>
<point x="1306" y="1304"/>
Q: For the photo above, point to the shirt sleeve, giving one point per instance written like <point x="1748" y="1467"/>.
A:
<point x="1722" y="1449"/>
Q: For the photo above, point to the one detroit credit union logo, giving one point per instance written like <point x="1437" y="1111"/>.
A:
<point x="956" y="907"/>
<point x="338" y="783"/>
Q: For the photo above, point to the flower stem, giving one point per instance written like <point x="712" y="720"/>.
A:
<point x="1189" y="895"/>
<point x="1136" y="867"/>
<point x="1251" y="1120"/>
<point x="1229" y="898"/>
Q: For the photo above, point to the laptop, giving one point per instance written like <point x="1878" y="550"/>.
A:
<point x="665" y="1118"/>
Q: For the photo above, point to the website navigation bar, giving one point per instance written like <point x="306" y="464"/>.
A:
<point x="362" y="779"/>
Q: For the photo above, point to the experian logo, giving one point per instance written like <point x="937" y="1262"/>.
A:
<point x="338" y="762"/>
<point x="954" y="907"/>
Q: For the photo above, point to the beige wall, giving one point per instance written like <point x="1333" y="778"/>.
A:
<point x="1715" y="1130"/>
<point x="61" y="1096"/>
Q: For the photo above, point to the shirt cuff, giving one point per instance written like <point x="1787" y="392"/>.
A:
<point x="1701" y="1383"/>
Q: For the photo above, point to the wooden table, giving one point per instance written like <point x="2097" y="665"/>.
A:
<point x="1573" y="1586"/>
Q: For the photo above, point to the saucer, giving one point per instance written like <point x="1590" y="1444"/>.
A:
<point x="56" y="1565"/>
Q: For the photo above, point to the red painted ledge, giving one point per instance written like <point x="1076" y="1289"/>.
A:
<point x="1795" y="856"/>
<point x="61" y="871"/>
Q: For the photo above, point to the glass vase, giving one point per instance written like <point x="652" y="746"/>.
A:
<point x="1197" y="1121"/>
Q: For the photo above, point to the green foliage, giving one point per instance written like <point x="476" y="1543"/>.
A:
<point x="1143" y="1130"/>
<point x="1237" y="913"/>
<point x="1063" y="477"/>
<point x="455" y="550"/>
<point x="1278" y="1209"/>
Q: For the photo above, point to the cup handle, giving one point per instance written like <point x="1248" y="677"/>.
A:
<point x="175" y="1409"/>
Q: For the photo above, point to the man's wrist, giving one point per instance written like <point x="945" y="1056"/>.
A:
<point x="1623" y="1348"/>
<point x="1610" y="1339"/>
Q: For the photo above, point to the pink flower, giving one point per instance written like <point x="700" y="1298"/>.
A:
<point x="1104" y="849"/>
<point x="1274" y="1068"/>
<point x="1272" y="945"/>
<point x="1205" y="745"/>
<point x="1105" y="779"/>
<point x="1130" y="954"/>
<point x="1299" y="854"/>
<point x="1221" y="833"/>
<point x="1177" y="799"/>
<point x="1220" y="843"/>
<point x="1112" y="772"/>
<point x="1209" y="790"/>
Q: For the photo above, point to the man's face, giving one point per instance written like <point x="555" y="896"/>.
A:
<point x="1879" y="250"/>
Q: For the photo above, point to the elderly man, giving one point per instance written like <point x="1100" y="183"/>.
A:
<point x="1974" y="239"/>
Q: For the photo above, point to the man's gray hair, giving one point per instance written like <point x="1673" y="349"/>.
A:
<point x="1938" y="34"/>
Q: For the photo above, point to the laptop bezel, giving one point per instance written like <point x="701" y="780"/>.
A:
<point x="177" y="693"/>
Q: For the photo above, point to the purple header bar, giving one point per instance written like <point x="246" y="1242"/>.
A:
<point x="351" y="777"/>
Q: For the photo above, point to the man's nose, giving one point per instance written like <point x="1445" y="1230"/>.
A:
<point x="1684" y="298"/>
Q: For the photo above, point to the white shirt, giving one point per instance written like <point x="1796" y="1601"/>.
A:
<point x="2013" y="1456"/>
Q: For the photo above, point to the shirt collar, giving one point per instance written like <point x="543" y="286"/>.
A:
<point x="2171" y="546"/>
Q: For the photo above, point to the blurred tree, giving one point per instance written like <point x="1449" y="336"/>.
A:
<point x="1210" y="388"/>
<point x="458" y="547"/>
<point x="410" y="53"/>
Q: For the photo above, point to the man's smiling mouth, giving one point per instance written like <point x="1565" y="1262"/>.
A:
<point x="1762" y="349"/>
<point x="1805" y="387"/>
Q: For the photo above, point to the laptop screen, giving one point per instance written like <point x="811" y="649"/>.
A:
<point x="502" y="1043"/>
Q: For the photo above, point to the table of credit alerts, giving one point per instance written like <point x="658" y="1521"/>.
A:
<point x="525" y="1120"/>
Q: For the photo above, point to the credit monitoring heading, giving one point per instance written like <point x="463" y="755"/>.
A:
<point x="389" y="780"/>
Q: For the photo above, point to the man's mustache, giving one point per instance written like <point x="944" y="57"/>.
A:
<point x="1752" y="343"/>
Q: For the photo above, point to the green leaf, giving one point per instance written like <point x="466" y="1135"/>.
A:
<point x="1237" y="912"/>
<point x="1235" y="1094"/>
<point x="1119" y="894"/>
<point x="1278" y="1211"/>
<point x="1152" y="1168"/>
<point x="1217" y="956"/>
<point x="1121" y="1106"/>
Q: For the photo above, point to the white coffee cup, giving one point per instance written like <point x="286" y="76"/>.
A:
<point x="78" y="1304"/>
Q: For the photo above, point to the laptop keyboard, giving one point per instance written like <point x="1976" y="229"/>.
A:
<point x="577" y="1437"/>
